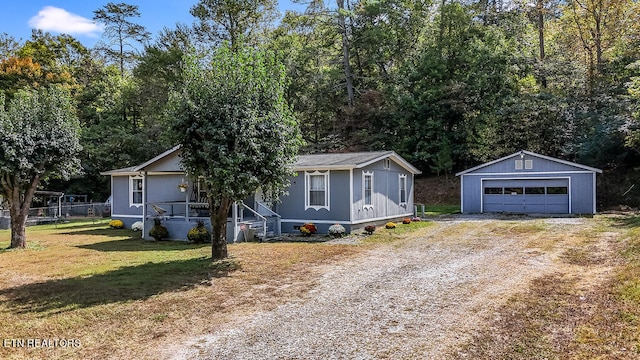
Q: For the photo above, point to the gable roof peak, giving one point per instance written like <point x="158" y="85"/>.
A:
<point x="522" y="153"/>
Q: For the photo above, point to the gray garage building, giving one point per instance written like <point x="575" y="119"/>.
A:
<point x="526" y="182"/>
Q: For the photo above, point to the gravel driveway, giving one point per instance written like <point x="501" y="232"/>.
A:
<point x="414" y="299"/>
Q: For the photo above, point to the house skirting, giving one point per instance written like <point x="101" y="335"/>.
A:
<point x="293" y="225"/>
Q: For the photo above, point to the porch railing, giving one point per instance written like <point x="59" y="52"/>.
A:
<point x="277" y="228"/>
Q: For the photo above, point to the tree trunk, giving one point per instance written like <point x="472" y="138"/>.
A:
<point x="540" y="8"/>
<point x="219" y="211"/>
<point x="19" y="205"/>
<point x="346" y="58"/>
<point x="18" y="230"/>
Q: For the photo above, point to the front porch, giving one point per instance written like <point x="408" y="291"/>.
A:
<point x="243" y="224"/>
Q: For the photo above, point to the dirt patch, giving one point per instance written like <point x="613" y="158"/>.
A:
<point x="445" y="287"/>
<point x="437" y="190"/>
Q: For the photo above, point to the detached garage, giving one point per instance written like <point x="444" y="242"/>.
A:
<point x="527" y="182"/>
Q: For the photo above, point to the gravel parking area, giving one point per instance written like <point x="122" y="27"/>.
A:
<point x="414" y="299"/>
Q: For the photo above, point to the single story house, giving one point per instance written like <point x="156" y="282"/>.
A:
<point x="526" y="182"/>
<point x="351" y="189"/>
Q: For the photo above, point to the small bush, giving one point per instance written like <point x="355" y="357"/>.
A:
<point x="337" y="230"/>
<point x="308" y="229"/>
<point x="116" y="224"/>
<point x="416" y="219"/>
<point x="390" y="225"/>
<point x="406" y="220"/>
<point x="158" y="232"/>
<point x="369" y="229"/>
<point x="199" y="233"/>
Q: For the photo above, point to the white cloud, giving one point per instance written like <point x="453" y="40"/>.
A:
<point x="54" y="19"/>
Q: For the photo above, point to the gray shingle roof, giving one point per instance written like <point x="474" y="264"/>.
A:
<point x="346" y="160"/>
<point x="338" y="161"/>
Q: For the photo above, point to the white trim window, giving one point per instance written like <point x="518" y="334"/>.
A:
<point x="402" y="186"/>
<point x="316" y="190"/>
<point x="136" y="187"/>
<point x="367" y="189"/>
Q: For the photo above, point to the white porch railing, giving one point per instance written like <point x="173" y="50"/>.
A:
<point x="277" y="231"/>
<point x="238" y="219"/>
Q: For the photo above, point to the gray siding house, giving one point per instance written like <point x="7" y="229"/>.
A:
<point x="351" y="189"/>
<point x="526" y="182"/>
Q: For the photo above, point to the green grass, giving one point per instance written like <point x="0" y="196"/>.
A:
<point x="440" y="209"/>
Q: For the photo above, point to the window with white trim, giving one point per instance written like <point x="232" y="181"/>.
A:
<point x="528" y="164"/>
<point x="403" y="189"/>
<point x="367" y="188"/>
<point x="317" y="190"/>
<point x="518" y="164"/>
<point x="136" y="186"/>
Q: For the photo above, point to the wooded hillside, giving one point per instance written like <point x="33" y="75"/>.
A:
<point x="446" y="84"/>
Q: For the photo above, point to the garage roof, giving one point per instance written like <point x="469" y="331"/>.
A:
<point x="524" y="152"/>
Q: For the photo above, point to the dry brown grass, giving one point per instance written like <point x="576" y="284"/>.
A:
<point x="589" y="309"/>
<point x="122" y="297"/>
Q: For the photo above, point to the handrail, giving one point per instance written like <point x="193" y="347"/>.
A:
<point x="264" y="219"/>
<point x="271" y="212"/>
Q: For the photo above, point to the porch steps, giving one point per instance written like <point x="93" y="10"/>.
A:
<point x="259" y="230"/>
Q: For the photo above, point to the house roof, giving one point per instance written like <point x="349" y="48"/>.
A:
<point x="123" y="171"/>
<point x="521" y="152"/>
<point x="337" y="161"/>
<point x="346" y="161"/>
<point x="138" y="168"/>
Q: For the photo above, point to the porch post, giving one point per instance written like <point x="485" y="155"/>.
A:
<point x="186" y="202"/>
<point x="235" y="221"/>
<point x="144" y="204"/>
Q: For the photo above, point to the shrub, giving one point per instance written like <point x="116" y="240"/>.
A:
<point x="308" y="229"/>
<point x="369" y="229"/>
<point x="158" y="232"/>
<point x="416" y="219"/>
<point x="406" y="221"/>
<point x="137" y="226"/>
<point x="116" y="224"/>
<point x="337" y="230"/>
<point x="390" y="225"/>
<point x="199" y="233"/>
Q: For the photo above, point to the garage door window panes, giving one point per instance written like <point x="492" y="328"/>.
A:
<point x="534" y="190"/>
<point x="513" y="191"/>
<point x="493" y="191"/>
<point x="557" y="190"/>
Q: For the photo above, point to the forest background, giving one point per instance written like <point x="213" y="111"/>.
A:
<point x="446" y="84"/>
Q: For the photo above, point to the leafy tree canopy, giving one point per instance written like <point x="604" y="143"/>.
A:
<point x="235" y="128"/>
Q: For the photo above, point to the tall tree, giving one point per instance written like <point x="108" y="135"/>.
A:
<point x="234" y="21"/>
<point x="593" y="28"/>
<point x="121" y="32"/>
<point x="39" y="138"/>
<point x="344" y="28"/>
<point x="235" y="128"/>
<point x="8" y="45"/>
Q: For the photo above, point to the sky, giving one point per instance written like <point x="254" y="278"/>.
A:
<point x="74" y="17"/>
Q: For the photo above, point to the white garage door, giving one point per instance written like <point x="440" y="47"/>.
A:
<point x="547" y="196"/>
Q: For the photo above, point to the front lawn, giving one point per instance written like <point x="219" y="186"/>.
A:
<point x="114" y="295"/>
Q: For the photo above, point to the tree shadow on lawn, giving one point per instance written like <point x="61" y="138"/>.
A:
<point x="141" y="245"/>
<point x="108" y="232"/>
<point x="125" y="284"/>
